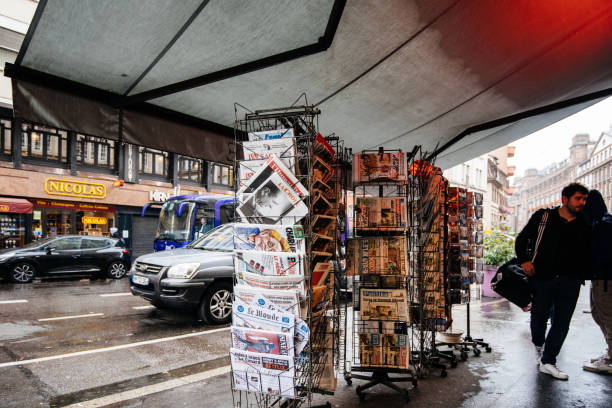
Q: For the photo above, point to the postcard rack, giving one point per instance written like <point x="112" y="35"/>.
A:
<point x="378" y="266"/>
<point x="289" y="203"/>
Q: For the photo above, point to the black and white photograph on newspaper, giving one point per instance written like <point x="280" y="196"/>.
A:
<point x="273" y="196"/>
<point x="256" y="153"/>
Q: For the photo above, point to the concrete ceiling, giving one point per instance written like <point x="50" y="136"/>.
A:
<point x="468" y="76"/>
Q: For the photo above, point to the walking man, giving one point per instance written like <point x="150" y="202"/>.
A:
<point x="556" y="272"/>
<point x="601" y="273"/>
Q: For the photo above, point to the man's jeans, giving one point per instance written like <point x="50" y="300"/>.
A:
<point x="561" y="294"/>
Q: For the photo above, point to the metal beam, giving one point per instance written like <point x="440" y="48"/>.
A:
<point x="31" y="29"/>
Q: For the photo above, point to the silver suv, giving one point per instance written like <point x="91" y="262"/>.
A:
<point x="197" y="276"/>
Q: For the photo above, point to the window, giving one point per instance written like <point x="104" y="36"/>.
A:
<point x="66" y="244"/>
<point x="46" y="144"/>
<point x="5" y="137"/>
<point x="222" y="174"/>
<point x="190" y="169"/>
<point x="153" y="162"/>
<point x="91" y="243"/>
<point x="95" y="152"/>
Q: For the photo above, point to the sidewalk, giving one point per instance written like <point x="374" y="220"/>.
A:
<point x="506" y="377"/>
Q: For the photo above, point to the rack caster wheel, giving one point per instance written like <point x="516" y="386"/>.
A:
<point x="476" y="352"/>
<point x="407" y="395"/>
<point x="464" y="355"/>
<point x="360" y="394"/>
<point x="443" y="374"/>
<point x="348" y="380"/>
<point x="488" y="349"/>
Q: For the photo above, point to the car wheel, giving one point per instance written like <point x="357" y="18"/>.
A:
<point x="22" y="272"/>
<point x="216" y="304"/>
<point x="116" y="270"/>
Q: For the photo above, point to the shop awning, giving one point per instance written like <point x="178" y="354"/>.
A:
<point x="15" y="205"/>
<point x="457" y="77"/>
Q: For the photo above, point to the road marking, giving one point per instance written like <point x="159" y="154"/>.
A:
<point x="6" y="302"/>
<point x="143" y="307"/>
<point x="48" y="319"/>
<point x="150" y="389"/>
<point x="112" y="348"/>
<point x="116" y="294"/>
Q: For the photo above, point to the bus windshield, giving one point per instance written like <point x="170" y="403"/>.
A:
<point x="171" y="226"/>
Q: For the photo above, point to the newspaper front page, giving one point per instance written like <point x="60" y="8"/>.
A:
<point x="263" y="373"/>
<point x="384" y="304"/>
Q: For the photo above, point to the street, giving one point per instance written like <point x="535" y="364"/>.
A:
<point x="91" y="343"/>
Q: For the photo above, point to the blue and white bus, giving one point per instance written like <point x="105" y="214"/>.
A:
<point x="184" y="218"/>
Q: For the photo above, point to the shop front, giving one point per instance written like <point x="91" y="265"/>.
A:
<point x="15" y="217"/>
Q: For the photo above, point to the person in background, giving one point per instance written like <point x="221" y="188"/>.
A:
<point x="599" y="218"/>
<point x="556" y="272"/>
<point x="114" y="232"/>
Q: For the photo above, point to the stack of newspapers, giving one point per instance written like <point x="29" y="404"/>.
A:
<point x="268" y="332"/>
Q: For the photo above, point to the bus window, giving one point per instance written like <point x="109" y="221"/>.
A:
<point x="226" y="213"/>
<point x="204" y="221"/>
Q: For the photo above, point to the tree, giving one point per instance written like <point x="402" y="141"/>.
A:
<point x="498" y="246"/>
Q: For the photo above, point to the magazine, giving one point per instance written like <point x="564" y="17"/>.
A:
<point x="380" y="255"/>
<point x="256" y="153"/>
<point x="274" y="238"/>
<point x="273" y="195"/>
<point x="377" y="212"/>
<point x="273" y="282"/>
<point x="380" y="166"/>
<point x="262" y="341"/>
<point x="384" y="304"/>
<point x="262" y="318"/>
<point x="396" y="351"/>
<point x="370" y="349"/>
<point x="268" y="263"/>
<point x="287" y="300"/>
<point x="257" y="372"/>
<point x="271" y="134"/>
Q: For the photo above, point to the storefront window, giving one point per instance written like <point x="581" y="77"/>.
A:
<point x="58" y="222"/>
<point x="190" y="169"/>
<point x="41" y="143"/>
<point x="153" y="162"/>
<point x="54" y="218"/>
<point x="12" y="230"/>
<point x="94" y="223"/>
<point x="5" y="137"/>
<point x="95" y="152"/>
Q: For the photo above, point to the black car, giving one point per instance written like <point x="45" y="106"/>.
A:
<point x="65" y="255"/>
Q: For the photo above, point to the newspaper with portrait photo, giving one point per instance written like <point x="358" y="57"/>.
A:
<point x="272" y="238"/>
<point x="257" y="152"/>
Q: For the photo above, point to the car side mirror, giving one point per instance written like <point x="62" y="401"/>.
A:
<point x="50" y="249"/>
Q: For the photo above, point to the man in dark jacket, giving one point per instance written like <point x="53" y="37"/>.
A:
<point x="600" y="220"/>
<point x="556" y="272"/>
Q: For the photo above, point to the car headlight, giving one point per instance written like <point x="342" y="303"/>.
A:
<point x="183" y="271"/>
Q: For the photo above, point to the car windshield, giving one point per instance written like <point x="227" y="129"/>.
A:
<point x="219" y="239"/>
<point x="38" y="243"/>
<point x="171" y="226"/>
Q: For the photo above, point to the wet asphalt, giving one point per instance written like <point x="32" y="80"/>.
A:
<point x="136" y="356"/>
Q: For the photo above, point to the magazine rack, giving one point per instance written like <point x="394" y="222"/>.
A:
<point x="299" y="188"/>
<point x="378" y="264"/>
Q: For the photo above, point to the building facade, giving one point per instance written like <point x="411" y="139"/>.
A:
<point x="497" y="209"/>
<point x="596" y="170"/>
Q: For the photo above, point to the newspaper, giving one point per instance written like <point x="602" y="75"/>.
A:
<point x="396" y="351"/>
<point x="263" y="373"/>
<point x="256" y="153"/>
<point x="275" y="238"/>
<point x="384" y="304"/>
<point x="377" y="166"/>
<point x="262" y="341"/>
<point x="262" y="318"/>
<point x="370" y="349"/>
<point x="380" y="255"/>
<point x="271" y="134"/>
<point x="269" y="263"/>
<point x="380" y="212"/>
<point x="273" y="282"/>
<point x="273" y="195"/>
<point x="287" y="300"/>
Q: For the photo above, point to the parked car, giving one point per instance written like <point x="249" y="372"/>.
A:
<point x="197" y="276"/>
<point x="66" y="254"/>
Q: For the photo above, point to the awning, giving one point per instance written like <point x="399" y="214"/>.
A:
<point x="458" y="77"/>
<point x="15" y="205"/>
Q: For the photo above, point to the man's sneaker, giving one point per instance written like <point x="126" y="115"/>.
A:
<point x="599" y="366"/>
<point x="604" y="356"/>
<point x="539" y="350"/>
<point x="552" y="369"/>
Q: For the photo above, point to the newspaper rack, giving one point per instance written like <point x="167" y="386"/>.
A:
<point x="292" y="178"/>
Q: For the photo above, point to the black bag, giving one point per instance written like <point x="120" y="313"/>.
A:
<point x="511" y="282"/>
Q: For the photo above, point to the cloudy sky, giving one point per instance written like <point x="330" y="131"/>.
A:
<point x="551" y="144"/>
